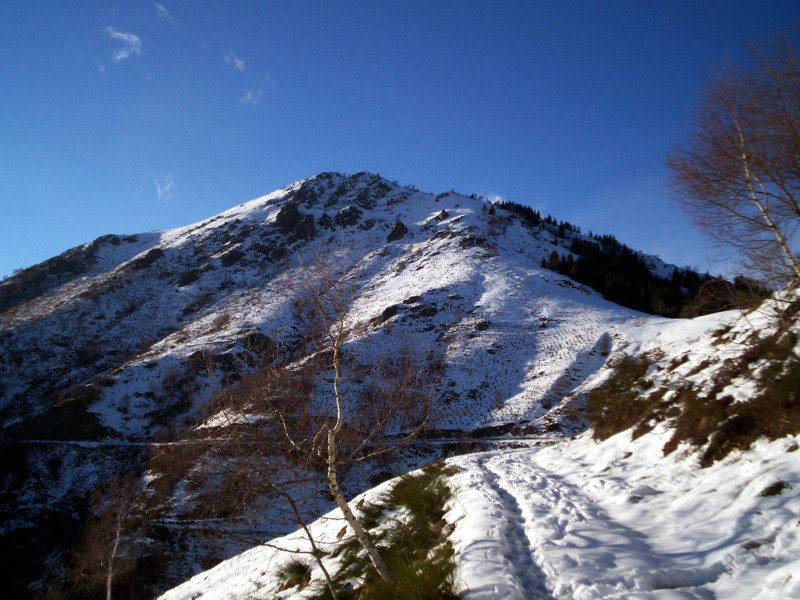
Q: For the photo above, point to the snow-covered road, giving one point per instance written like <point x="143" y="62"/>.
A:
<point x="588" y="521"/>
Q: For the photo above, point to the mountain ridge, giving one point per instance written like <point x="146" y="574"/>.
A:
<point x="114" y="342"/>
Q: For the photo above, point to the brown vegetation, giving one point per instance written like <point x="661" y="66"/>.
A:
<point x="705" y="416"/>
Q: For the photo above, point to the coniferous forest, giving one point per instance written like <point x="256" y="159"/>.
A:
<point x="624" y="276"/>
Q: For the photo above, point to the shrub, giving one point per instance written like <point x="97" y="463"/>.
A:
<point x="708" y="418"/>
<point x="188" y="277"/>
<point x="294" y="573"/>
<point x="725" y="425"/>
<point x="80" y="395"/>
<point x="617" y="404"/>
<point x="414" y="542"/>
<point x="774" y="489"/>
<point x="231" y="257"/>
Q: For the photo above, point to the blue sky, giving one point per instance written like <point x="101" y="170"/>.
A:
<point x="123" y="117"/>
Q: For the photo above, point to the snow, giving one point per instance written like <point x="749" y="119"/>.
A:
<point x="580" y="519"/>
<point x="583" y="520"/>
<point x="576" y="519"/>
<point x="618" y="519"/>
<point x="252" y="574"/>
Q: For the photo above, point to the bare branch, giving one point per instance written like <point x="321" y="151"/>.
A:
<point x="299" y="422"/>
<point x="738" y="175"/>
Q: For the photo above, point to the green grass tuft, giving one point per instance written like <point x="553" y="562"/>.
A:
<point x="408" y="526"/>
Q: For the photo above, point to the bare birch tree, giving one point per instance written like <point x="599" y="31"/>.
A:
<point x="738" y="175"/>
<point x="311" y="416"/>
<point x="106" y="550"/>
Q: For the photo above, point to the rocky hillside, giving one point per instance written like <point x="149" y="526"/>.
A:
<point x="685" y="486"/>
<point x="112" y="349"/>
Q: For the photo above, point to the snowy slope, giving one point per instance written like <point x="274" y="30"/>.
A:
<point x="581" y="519"/>
<point x="122" y="341"/>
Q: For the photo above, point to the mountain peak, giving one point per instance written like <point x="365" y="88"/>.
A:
<point x="128" y="337"/>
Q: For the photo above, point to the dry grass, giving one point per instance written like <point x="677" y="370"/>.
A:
<point x="720" y="425"/>
<point x="708" y="419"/>
<point x="618" y="404"/>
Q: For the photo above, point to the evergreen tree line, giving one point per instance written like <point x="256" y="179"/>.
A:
<point x="623" y="276"/>
<point x="534" y="218"/>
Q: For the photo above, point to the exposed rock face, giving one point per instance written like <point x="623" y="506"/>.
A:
<point x="288" y="216"/>
<point x="297" y="225"/>
<point x="398" y="232"/>
<point x="348" y="216"/>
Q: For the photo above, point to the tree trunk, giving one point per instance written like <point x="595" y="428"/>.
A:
<point x="372" y="551"/>
<point x="110" y="574"/>
<point x="333" y="484"/>
<point x="762" y="208"/>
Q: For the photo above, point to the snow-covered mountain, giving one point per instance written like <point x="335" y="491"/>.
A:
<point x="111" y="351"/>
<point x="105" y="325"/>
<point x="635" y="515"/>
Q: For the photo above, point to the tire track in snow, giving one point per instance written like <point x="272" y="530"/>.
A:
<point x="580" y="550"/>
<point x="530" y="577"/>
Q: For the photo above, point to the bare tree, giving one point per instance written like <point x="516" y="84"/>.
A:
<point x="307" y="418"/>
<point x="106" y="549"/>
<point x="738" y="175"/>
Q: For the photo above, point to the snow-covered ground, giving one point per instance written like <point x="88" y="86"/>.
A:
<point x="581" y="520"/>
<point x="587" y="520"/>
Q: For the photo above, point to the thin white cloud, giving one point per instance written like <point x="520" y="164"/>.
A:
<point x="164" y="187"/>
<point x="131" y="44"/>
<point x="163" y="13"/>
<point x="495" y="198"/>
<point x="234" y="60"/>
<point x="252" y="97"/>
